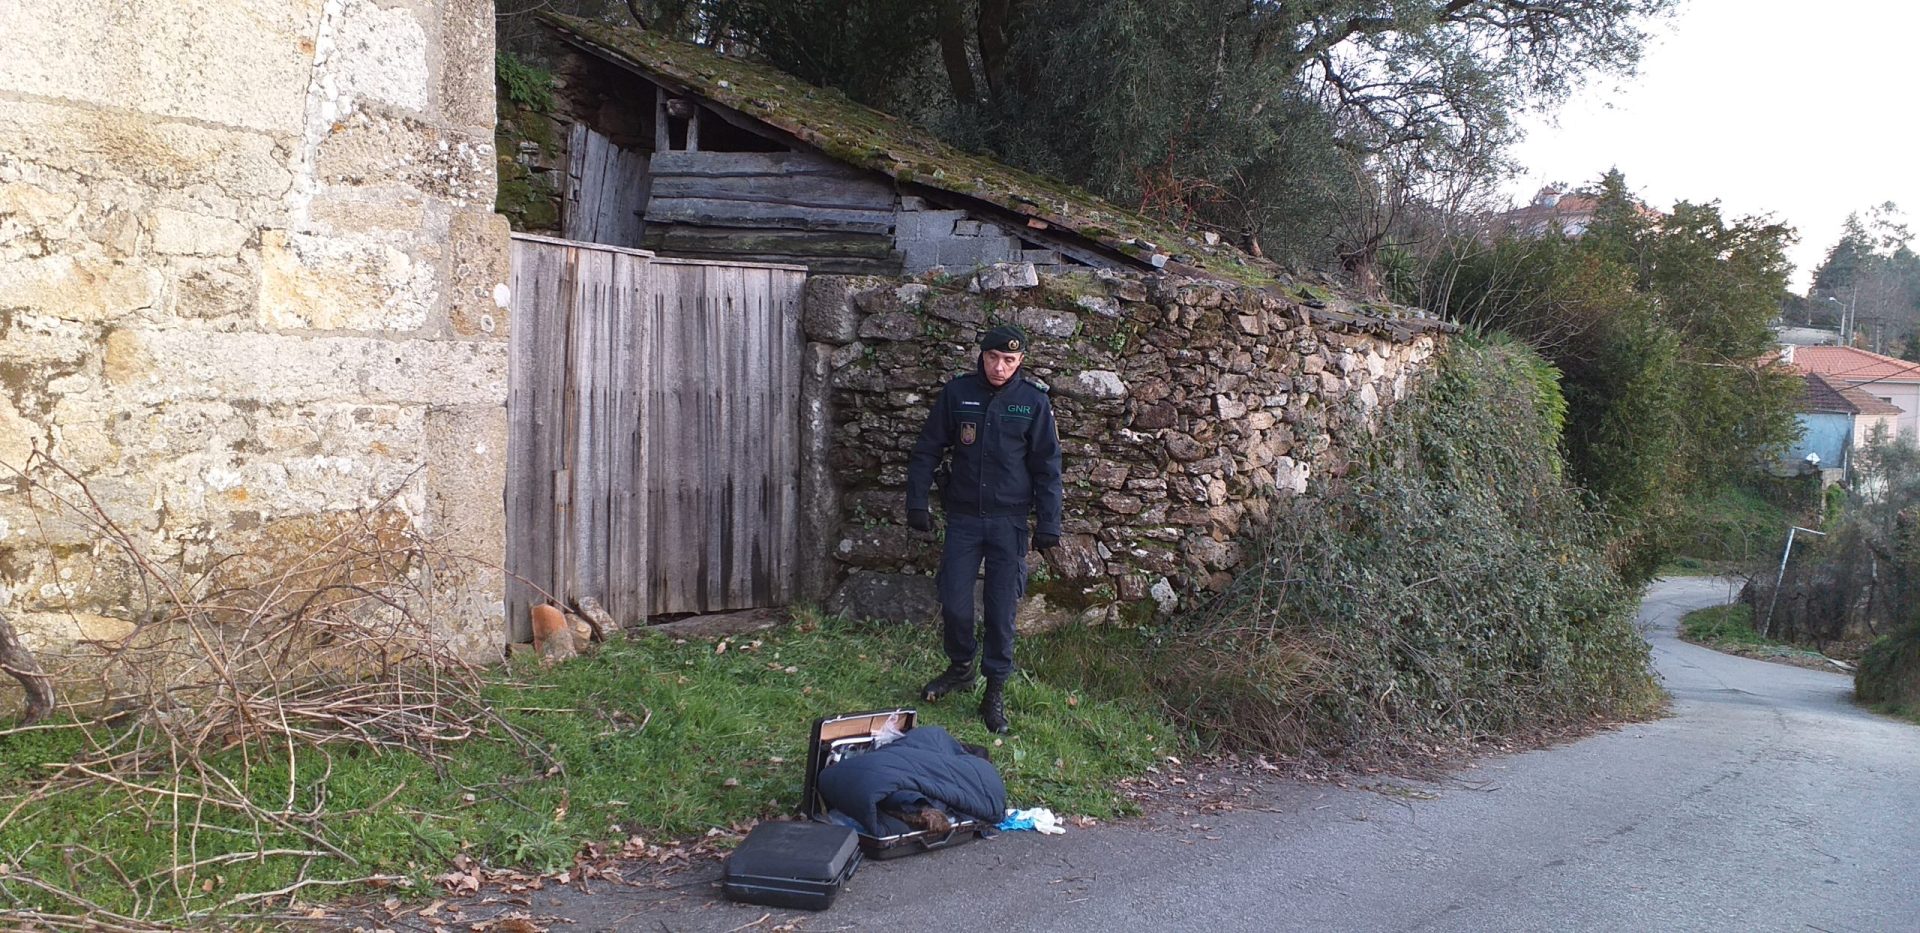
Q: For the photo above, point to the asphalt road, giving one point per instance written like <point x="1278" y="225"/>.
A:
<point x="1767" y="801"/>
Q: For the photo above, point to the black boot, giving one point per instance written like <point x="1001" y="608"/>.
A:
<point x="957" y="677"/>
<point x="993" y="705"/>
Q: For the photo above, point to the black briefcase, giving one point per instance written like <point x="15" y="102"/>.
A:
<point x="802" y="865"/>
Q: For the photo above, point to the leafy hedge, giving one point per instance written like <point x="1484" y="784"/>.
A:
<point x="1889" y="675"/>
<point x="1454" y="589"/>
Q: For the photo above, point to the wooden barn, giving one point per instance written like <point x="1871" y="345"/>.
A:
<point x="672" y="148"/>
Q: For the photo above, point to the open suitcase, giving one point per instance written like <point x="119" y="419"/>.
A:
<point x="835" y="737"/>
<point x="802" y="865"/>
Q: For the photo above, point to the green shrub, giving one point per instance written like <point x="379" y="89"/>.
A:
<point x="1454" y="589"/>
<point x="1732" y="524"/>
<point x="527" y="85"/>
<point x="1889" y="675"/>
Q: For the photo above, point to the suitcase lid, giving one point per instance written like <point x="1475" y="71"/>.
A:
<point x="852" y="728"/>
<point x="800" y="851"/>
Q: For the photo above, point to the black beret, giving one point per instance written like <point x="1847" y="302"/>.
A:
<point x="1006" y="338"/>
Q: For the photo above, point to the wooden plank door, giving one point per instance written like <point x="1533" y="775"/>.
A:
<point x="577" y="368"/>
<point x="722" y="438"/>
<point x="653" y="413"/>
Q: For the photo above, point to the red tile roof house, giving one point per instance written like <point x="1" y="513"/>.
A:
<point x="1896" y="382"/>
<point x="1835" y="422"/>
<point x="1551" y="208"/>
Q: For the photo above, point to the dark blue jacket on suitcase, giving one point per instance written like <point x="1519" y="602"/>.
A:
<point x="925" y="766"/>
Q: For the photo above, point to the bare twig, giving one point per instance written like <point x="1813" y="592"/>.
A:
<point x="278" y="660"/>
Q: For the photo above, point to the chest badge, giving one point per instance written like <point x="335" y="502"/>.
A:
<point x="968" y="432"/>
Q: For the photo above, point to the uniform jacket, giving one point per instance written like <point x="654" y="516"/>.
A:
<point x="1006" y="453"/>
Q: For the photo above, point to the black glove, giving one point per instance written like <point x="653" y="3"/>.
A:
<point x="919" y="519"/>
<point x="1045" y="542"/>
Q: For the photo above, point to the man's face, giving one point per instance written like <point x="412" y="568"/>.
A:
<point x="1000" y="366"/>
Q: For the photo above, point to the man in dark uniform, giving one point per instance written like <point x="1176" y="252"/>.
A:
<point x="1006" y="464"/>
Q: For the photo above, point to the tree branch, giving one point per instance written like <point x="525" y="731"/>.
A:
<point x="18" y="662"/>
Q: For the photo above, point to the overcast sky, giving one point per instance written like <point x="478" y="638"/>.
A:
<point x="1804" y="111"/>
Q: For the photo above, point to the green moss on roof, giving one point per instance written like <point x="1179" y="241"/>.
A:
<point x="868" y="138"/>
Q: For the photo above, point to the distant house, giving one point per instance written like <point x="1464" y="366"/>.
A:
<point x="1570" y="213"/>
<point x="672" y="147"/>
<point x="1835" y="422"/>
<point x="1791" y="336"/>
<point x="1894" y="382"/>
<point x="1552" y="208"/>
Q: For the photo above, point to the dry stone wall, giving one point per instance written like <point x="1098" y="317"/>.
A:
<point x="1187" y="410"/>
<point x="249" y="277"/>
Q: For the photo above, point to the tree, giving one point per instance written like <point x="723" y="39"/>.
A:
<point x="1872" y="278"/>
<point x="1659" y="325"/>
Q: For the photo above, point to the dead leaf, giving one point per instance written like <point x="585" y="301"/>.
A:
<point x="730" y="782"/>
<point x="432" y="908"/>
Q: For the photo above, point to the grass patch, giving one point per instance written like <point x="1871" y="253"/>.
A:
<point x="1717" y="626"/>
<point x="1729" y="629"/>
<point x="648" y="737"/>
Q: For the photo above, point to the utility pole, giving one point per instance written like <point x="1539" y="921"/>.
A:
<point x="1766" y="624"/>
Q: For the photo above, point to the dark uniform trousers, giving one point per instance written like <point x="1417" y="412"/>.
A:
<point x="1000" y="540"/>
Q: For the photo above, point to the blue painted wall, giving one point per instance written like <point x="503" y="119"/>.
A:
<point x="1824" y="434"/>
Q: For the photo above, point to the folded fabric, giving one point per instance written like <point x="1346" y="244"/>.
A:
<point x="1036" y="819"/>
<point x="923" y="768"/>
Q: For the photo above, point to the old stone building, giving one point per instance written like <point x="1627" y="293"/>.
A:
<point x="250" y="278"/>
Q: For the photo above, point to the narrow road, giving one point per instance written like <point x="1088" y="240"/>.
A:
<point x="1766" y="802"/>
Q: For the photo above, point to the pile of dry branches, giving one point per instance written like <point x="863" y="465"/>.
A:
<point x="276" y="660"/>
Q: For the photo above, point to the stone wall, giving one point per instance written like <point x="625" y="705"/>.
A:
<point x="249" y="278"/>
<point x="1187" y="410"/>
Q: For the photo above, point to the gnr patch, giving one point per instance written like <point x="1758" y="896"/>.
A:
<point x="968" y="431"/>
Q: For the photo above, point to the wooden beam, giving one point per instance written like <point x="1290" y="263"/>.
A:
<point x="662" y="139"/>
<point x="728" y="164"/>
<point x="693" y="130"/>
<point x="800" y="190"/>
<point x="743" y="121"/>
<point x="743" y="241"/>
<point x="714" y="212"/>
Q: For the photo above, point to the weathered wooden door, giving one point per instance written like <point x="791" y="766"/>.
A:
<point x="653" y="407"/>
<point x="722" y="434"/>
